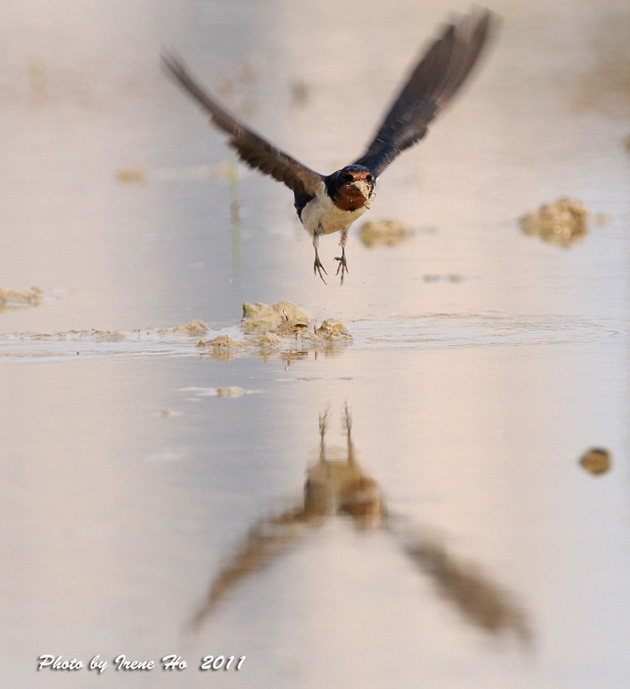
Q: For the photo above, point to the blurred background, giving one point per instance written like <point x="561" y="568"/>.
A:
<point x="145" y="514"/>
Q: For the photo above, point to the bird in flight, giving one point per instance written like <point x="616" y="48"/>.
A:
<point x="331" y="203"/>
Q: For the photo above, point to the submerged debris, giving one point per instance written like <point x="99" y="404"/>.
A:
<point x="38" y="77"/>
<point x="300" y="92"/>
<point x="225" y="392"/>
<point x="232" y="391"/>
<point x="193" y="329"/>
<point x="20" y="298"/>
<point x="447" y="277"/>
<point x="274" y="329"/>
<point x="596" y="461"/>
<point x="563" y="222"/>
<point x="384" y="233"/>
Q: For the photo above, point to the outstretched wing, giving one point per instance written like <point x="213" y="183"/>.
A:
<point x="251" y="147"/>
<point x="267" y="541"/>
<point x="482" y="601"/>
<point x="432" y="84"/>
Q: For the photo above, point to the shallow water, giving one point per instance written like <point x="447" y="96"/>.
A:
<point x="484" y="362"/>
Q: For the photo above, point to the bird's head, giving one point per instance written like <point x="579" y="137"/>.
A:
<point x="352" y="187"/>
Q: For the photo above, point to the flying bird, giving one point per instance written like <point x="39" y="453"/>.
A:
<point x="331" y="203"/>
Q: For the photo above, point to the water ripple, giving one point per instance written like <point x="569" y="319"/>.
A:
<point x="426" y="331"/>
<point x="441" y="330"/>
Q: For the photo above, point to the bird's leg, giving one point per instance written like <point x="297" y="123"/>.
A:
<point x="343" y="265"/>
<point x="347" y="423"/>
<point x="323" y="425"/>
<point x="318" y="267"/>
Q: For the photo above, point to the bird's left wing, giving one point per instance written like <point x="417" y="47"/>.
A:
<point x="250" y="146"/>
<point x="437" y="77"/>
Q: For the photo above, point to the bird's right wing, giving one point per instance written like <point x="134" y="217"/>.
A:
<point x="250" y="146"/>
<point x="434" y="81"/>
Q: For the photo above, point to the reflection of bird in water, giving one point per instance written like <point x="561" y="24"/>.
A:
<point x="340" y="487"/>
<point x="331" y="203"/>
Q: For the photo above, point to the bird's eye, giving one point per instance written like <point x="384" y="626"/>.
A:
<point x="348" y="178"/>
<point x="369" y="179"/>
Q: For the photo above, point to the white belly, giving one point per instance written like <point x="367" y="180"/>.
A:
<point x="321" y="216"/>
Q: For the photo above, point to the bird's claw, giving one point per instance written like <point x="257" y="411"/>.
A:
<point x="318" y="268"/>
<point x="343" y="265"/>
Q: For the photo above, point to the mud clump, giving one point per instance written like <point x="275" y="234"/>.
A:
<point x="132" y="174"/>
<point x="277" y="329"/>
<point x="563" y="222"/>
<point x="384" y="233"/>
<point x="596" y="461"/>
<point x="20" y="298"/>
<point x="195" y="328"/>
<point x="222" y="347"/>
<point x="332" y="328"/>
<point x="281" y="318"/>
<point x="266" y="331"/>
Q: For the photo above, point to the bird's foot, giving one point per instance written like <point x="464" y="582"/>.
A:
<point x="318" y="268"/>
<point x="343" y="264"/>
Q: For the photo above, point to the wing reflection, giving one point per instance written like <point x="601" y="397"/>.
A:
<point x="480" y="600"/>
<point x="341" y="487"/>
<point x="266" y="541"/>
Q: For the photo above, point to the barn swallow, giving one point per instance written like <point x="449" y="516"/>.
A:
<point x="331" y="203"/>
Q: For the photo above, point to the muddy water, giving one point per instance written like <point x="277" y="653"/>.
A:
<point x="154" y="497"/>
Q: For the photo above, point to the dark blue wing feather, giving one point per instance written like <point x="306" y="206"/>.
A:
<point x="432" y="84"/>
<point x="250" y="146"/>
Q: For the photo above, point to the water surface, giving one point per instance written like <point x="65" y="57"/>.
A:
<point x="484" y="362"/>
